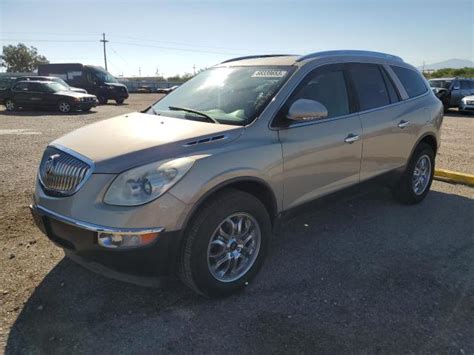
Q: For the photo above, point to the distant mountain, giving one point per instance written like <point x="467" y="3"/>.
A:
<point x="450" y="63"/>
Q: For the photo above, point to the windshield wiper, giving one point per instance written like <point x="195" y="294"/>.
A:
<point x="202" y="114"/>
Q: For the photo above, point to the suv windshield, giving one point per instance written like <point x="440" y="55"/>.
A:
<point x="443" y="84"/>
<point x="230" y="95"/>
<point x="55" y="87"/>
<point x="104" y="76"/>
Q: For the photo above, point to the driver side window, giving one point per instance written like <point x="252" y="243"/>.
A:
<point x="327" y="87"/>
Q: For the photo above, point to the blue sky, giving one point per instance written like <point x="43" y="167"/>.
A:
<point x="173" y="36"/>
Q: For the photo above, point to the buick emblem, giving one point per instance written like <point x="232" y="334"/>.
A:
<point x="50" y="163"/>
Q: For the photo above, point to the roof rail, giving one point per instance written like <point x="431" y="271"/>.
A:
<point x="350" y="52"/>
<point x="255" y="56"/>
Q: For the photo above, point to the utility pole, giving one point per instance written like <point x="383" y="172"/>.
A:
<point x="194" y="69"/>
<point x="104" y="41"/>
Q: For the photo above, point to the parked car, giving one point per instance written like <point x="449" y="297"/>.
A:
<point x="166" y="90"/>
<point x="451" y="90"/>
<point x="195" y="184"/>
<point x="144" y="89"/>
<point x="467" y="104"/>
<point x="95" y="80"/>
<point x="46" y="95"/>
<point x="51" y="78"/>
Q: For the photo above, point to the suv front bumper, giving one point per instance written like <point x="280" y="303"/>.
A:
<point x="79" y="240"/>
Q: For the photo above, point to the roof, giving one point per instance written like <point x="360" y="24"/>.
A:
<point x="291" y="59"/>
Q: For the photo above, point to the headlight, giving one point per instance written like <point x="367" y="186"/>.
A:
<point x="146" y="183"/>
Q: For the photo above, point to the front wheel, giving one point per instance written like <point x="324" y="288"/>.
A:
<point x="225" y="244"/>
<point x="10" y="105"/>
<point x="102" y="100"/>
<point x="119" y="101"/>
<point x="416" y="181"/>
<point x="64" y="106"/>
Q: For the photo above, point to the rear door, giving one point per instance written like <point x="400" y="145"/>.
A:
<point x="323" y="155"/>
<point x="36" y="95"/>
<point x="390" y="127"/>
<point x="20" y="94"/>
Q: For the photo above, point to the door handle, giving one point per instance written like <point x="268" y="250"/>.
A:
<point x="403" y="124"/>
<point x="351" y="138"/>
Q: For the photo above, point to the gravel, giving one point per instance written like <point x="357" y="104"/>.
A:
<point x="360" y="273"/>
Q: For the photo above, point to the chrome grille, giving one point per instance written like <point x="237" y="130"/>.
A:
<point x="62" y="173"/>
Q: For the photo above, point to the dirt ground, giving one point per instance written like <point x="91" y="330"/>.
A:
<point x="362" y="274"/>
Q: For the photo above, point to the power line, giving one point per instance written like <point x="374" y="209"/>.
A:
<point x="119" y="42"/>
<point x="175" y="48"/>
<point x="141" y="39"/>
<point x="44" y="40"/>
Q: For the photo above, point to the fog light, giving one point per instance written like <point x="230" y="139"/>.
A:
<point x="112" y="240"/>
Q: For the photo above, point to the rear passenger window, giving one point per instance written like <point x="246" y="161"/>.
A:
<point x="370" y="86"/>
<point x="328" y="88"/>
<point x="392" y="92"/>
<point x="21" y="87"/>
<point x="411" y="81"/>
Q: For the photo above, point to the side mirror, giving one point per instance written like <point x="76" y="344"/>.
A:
<point x="456" y="86"/>
<point x="303" y="110"/>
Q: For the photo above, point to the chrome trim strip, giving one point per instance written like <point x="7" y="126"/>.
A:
<point x="91" y="226"/>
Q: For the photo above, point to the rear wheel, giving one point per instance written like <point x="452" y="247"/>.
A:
<point x="64" y="106"/>
<point x="416" y="181"/>
<point x="10" y="105"/>
<point x="120" y="101"/>
<point x="225" y="244"/>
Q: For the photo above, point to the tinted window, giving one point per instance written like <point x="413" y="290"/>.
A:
<point x="465" y="84"/>
<point x="370" y="86"/>
<point x="392" y="92"/>
<point x="37" y="87"/>
<point x="327" y="88"/>
<point x="21" y="87"/>
<point x="411" y="81"/>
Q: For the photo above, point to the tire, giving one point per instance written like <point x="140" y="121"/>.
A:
<point x="408" y="190"/>
<point x="10" y="105"/>
<point x="199" y="257"/>
<point x="87" y="109"/>
<point x="119" y="101"/>
<point x="102" y="100"/>
<point x="64" y="106"/>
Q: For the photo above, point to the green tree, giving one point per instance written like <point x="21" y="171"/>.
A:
<point x="21" y="58"/>
<point x="450" y="72"/>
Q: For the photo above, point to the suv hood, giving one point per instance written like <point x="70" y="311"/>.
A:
<point x="135" y="139"/>
<point x="117" y="85"/>
<point x="78" y="90"/>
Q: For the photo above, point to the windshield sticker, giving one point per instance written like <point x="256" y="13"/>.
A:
<point x="270" y="73"/>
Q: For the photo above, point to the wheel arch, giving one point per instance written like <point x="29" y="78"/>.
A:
<point x="255" y="186"/>
<point x="430" y="139"/>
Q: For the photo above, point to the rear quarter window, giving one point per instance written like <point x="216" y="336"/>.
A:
<point x="411" y="80"/>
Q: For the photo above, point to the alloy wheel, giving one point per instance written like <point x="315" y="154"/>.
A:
<point x="10" y="105"/>
<point x="421" y="174"/>
<point x="234" y="247"/>
<point x="64" y="107"/>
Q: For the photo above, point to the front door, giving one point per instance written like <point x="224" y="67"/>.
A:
<point x="324" y="155"/>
